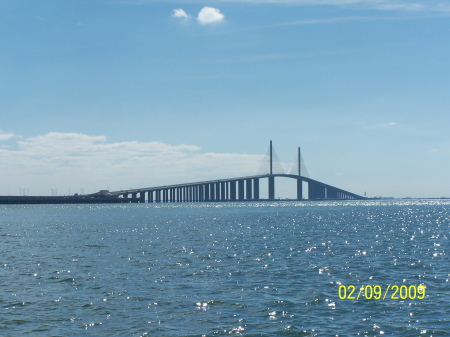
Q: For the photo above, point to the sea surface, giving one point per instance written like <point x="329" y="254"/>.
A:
<point x="220" y="269"/>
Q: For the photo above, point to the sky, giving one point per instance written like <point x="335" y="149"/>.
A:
<point x="105" y="94"/>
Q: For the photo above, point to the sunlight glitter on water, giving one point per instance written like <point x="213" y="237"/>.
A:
<point x="240" y="268"/>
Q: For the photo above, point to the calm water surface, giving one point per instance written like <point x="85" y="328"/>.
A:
<point x="250" y="269"/>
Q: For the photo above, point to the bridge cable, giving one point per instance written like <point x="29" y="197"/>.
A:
<point x="277" y="166"/>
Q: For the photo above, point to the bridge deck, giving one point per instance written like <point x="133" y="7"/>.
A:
<point x="234" y="189"/>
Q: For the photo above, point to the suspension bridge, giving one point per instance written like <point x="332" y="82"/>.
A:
<point x="236" y="189"/>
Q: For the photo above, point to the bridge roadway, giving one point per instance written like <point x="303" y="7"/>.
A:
<point x="234" y="189"/>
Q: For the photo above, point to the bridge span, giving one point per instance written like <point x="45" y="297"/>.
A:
<point x="234" y="189"/>
<point x="237" y="189"/>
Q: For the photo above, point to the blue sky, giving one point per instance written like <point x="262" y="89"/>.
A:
<point x="118" y="94"/>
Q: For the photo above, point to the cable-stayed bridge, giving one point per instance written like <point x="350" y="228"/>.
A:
<point x="240" y="188"/>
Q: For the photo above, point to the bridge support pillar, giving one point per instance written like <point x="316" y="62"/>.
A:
<point x="212" y="192"/>
<point x="299" y="189"/>
<point x="233" y="190"/>
<point x="255" y="189"/>
<point x="217" y="189"/>
<point x="227" y="190"/>
<point x="312" y="191"/>
<point x="316" y="191"/>
<point x="240" y="190"/>
<point x="200" y="193"/>
<point x="206" y="193"/>
<point x="271" y="187"/>
<point x="222" y="191"/>
<point x="248" y="189"/>
<point x="331" y="193"/>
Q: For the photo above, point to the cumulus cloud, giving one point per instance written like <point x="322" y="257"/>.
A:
<point x="210" y="15"/>
<point x="206" y="16"/>
<point x="180" y="13"/>
<point x="80" y="161"/>
<point x="6" y="136"/>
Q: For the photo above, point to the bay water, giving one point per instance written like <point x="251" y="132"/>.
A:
<point x="217" y="269"/>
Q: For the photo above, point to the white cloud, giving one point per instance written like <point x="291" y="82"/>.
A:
<point x="180" y="13"/>
<point x="75" y="161"/>
<point x="207" y="15"/>
<point x="210" y="15"/>
<point x="6" y="136"/>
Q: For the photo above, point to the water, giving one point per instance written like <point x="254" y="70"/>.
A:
<point x="250" y="269"/>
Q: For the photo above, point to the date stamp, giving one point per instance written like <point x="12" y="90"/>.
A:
<point x="378" y="292"/>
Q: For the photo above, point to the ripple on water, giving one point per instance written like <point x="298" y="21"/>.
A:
<point x="251" y="269"/>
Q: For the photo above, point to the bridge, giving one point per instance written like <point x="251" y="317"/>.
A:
<point x="237" y="189"/>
